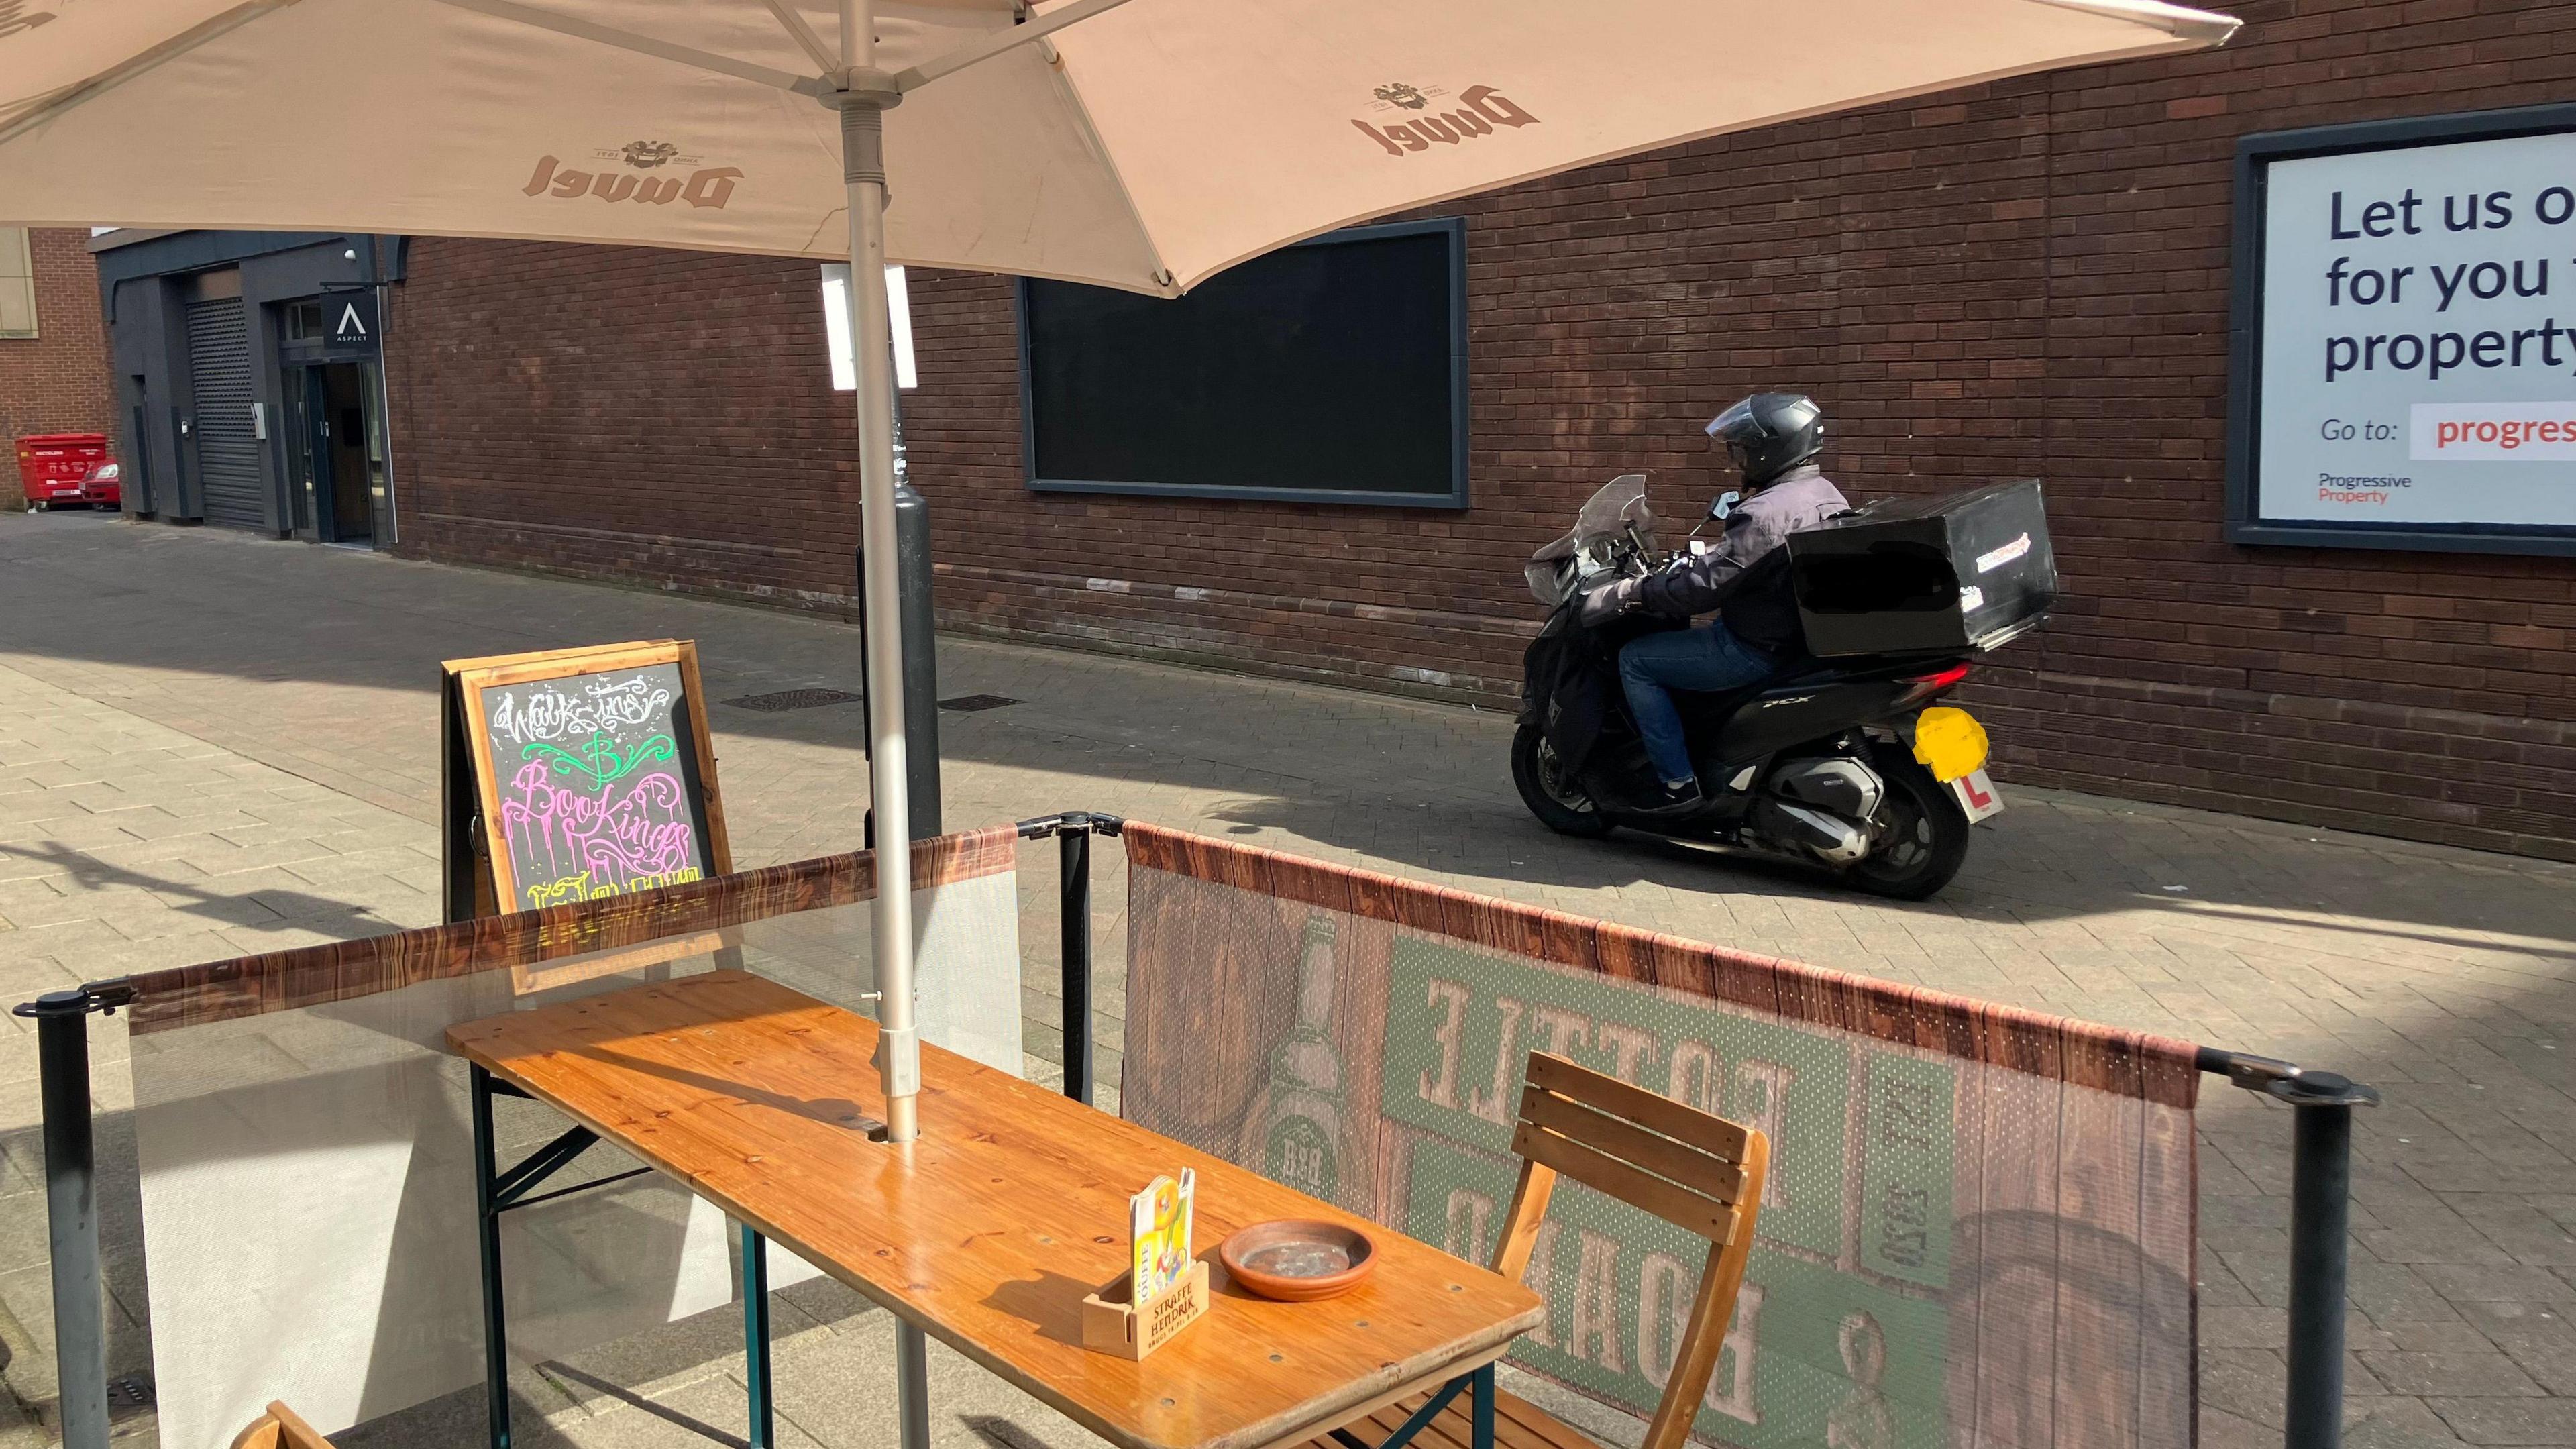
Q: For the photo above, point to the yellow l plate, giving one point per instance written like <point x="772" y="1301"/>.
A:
<point x="1949" y="742"/>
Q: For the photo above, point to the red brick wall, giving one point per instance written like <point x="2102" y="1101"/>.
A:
<point x="2022" y="278"/>
<point x="624" y="413"/>
<point x="57" y="381"/>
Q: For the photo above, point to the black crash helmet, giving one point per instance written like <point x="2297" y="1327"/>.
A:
<point x="1770" y="433"/>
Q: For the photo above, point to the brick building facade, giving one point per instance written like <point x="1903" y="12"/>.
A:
<point x="2023" y="278"/>
<point x="56" y="381"/>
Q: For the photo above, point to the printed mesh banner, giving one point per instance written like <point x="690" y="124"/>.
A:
<point x="1979" y="1225"/>
<point x="306" y="1149"/>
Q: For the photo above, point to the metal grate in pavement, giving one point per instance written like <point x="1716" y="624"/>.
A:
<point x="787" y="699"/>
<point x="976" y="703"/>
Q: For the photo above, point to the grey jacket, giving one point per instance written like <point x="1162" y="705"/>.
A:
<point x="1697" y="583"/>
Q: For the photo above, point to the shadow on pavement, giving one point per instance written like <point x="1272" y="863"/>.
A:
<point x="637" y="1401"/>
<point x="240" y="630"/>
<point x="258" y="909"/>
<point x="459" y="1419"/>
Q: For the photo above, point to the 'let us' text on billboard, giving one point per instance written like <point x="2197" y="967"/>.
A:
<point x="2405" y="355"/>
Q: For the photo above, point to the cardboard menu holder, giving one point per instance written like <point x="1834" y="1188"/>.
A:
<point x="1164" y="1289"/>
<point x="1112" y="1325"/>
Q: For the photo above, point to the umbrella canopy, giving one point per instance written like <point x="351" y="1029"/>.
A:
<point x="1147" y="145"/>
<point x="1142" y="144"/>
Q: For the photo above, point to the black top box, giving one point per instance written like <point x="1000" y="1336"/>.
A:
<point x="1953" y="575"/>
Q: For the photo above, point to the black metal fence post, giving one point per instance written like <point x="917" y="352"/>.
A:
<point x="2320" y="1219"/>
<point x="2320" y="1223"/>
<point x="71" y="1215"/>
<point x="1073" y="831"/>
<point x="1074" y="886"/>
<point x="487" y="1238"/>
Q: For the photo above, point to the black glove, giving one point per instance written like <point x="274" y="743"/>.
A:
<point x="1608" y="602"/>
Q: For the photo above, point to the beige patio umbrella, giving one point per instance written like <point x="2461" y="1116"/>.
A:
<point x="1140" y="144"/>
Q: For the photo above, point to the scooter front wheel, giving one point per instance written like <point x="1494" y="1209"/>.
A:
<point x="1922" y="833"/>
<point x="1559" y="803"/>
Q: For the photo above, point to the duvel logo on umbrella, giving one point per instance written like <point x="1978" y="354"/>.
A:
<point x="1479" y="109"/>
<point x="708" y="186"/>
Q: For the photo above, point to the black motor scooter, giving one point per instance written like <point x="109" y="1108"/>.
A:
<point x="1834" y="762"/>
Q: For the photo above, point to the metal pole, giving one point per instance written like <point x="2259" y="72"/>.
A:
<point x="920" y="663"/>
<point x="920" y="660"/>
<point x="865" y="94"/>
<point x="71" y="1217"/>
<point x="2320" y="1216"/>
<point x="2320" y="1221"/>
<point x="763" y="1416"/>
<point x="864" y="98"/>
<point x="1074" y="896"/>
<point x="912" y="1386"/>
<point x="487" y="1216"/>
<point x="1481" y="1413"/>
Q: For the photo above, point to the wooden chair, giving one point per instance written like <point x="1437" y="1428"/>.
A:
<point x="1688" y="1167"/>
<point x="279" y="1428"/>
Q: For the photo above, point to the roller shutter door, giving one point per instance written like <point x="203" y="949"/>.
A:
<point x="227" y="441"/>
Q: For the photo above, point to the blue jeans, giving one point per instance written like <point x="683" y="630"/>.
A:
<point x="1706" y="658"/>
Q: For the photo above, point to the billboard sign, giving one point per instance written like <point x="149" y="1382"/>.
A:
<point x="2404" y="362"/>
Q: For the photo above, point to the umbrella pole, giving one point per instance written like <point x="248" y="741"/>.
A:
<point x="865" y="94"/>
<point x="863" y="105"/>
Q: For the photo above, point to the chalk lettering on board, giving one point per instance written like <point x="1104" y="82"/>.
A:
<point x="546" y="711"/>
<point x="595" y="797"/>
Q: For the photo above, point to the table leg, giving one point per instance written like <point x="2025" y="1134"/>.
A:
<point x="487" y="1214"/>
<point x="912" y="1386"/>
<point x="755" y="1337"/>
<point x="1482" y="1411"/>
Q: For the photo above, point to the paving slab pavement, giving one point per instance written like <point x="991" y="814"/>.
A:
<point x="230" y="744"/>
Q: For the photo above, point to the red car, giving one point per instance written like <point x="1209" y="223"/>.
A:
<point x="101" y="488"/>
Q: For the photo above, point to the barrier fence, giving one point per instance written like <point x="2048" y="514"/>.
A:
<point x="305" y="1148"/>
<point x="1980" y="1228"/>
<point x="1979" y="1222"/>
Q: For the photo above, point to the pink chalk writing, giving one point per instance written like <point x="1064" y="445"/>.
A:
<point x="638" y="826"/>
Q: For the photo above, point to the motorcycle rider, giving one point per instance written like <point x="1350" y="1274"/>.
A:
<point x="1773" y="439"/>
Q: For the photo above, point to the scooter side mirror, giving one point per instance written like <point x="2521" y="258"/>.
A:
<point x="1718" y="509"/>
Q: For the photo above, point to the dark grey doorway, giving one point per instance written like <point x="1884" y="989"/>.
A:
<point x="336" y="458"/>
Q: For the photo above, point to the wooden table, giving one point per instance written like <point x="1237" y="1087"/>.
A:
<point x="987" y="1231"/>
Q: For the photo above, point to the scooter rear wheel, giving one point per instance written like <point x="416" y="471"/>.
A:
<point x="1559" y="804"/>
<point x="1923" y="834"/>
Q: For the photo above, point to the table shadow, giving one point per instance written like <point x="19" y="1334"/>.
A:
<point x="1051" y="1301"/>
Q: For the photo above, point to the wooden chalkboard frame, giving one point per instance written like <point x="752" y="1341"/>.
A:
<point x="477" y="855"/>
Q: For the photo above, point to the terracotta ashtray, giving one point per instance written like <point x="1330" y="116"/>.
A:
<point x="1298" y="1260"/>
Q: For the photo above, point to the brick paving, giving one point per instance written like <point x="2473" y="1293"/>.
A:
<point x="211" y="744"/>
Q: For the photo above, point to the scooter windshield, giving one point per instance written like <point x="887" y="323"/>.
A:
<point x="1607" y="514"/>
<point x="1606" y="517"/>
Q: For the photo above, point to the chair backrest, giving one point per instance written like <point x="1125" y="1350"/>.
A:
<point x="280" y="1428"/>
<point x="1691" y="1168"/>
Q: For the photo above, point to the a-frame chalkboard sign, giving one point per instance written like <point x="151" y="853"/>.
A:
<point x="575" y="773"/>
